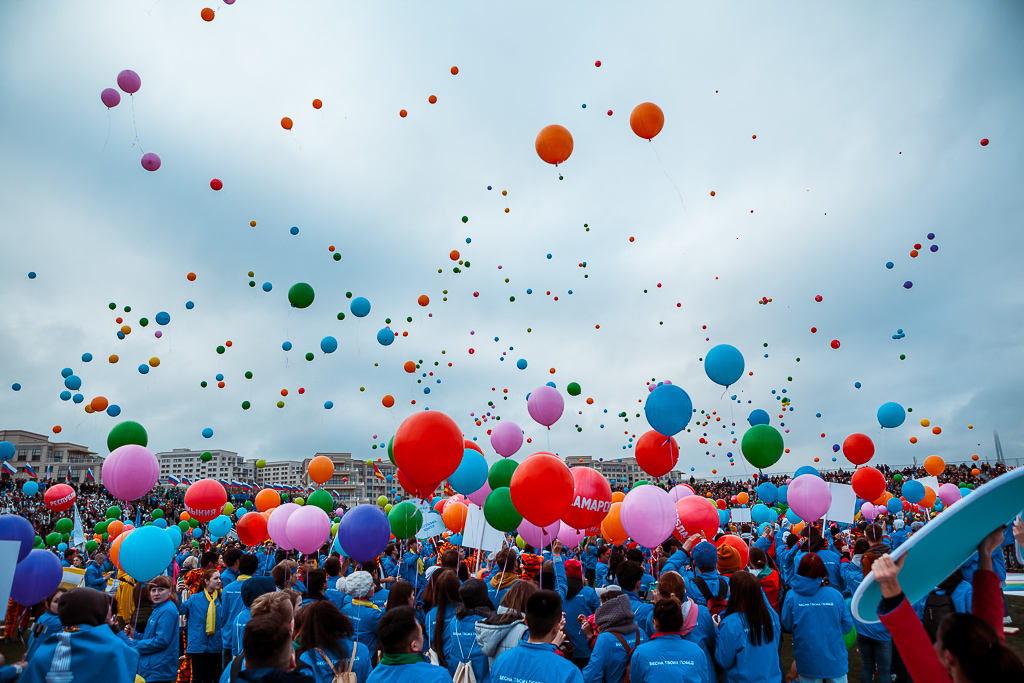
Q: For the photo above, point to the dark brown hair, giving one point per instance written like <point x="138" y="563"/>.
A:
<point x="446" y="594"/>
<point x="745" y="596"/>
<point x="322" y="627"/>
<point x="399" y="594"/>
<point x="975" y="644"/>
<point x="668" y="615"/>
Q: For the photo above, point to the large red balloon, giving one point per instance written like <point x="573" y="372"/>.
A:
<point x="252" y="528"/>
<point x="868" y="483"/>
<point x="697" y="514"/>
<point x="469" y="443"/>
<point x="858" y="448"/>
<point x="205" y="499"/>
<point x="428" y="448"/>
<point x="59" y="497"/>
<point x="738" y="544"/>
<point x="656" y="453"/>
<point x="592" y="499"/>
<point x="542" y="488"/>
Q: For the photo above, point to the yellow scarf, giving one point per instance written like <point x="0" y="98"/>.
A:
<point x="211" y="612"/>
<point x="502" y="580"/>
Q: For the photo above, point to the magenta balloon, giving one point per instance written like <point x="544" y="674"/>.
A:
<point x="570" y="537"/>
<point x="809" y="497"/>
<point x="129" y="81"/>
<point x="949" y="494"/>
<point x="537" y="536"/>
<point x="277" y="525"/>
<point x="480" y="495"/>
<point x="110" y="97"/>
<point x="680" y="492"/>
<point x="869" y="511"/>
<point x="506" y="438"/>
<point x="545" y="405"/>
<point x="150" y="161"/>
<point x="130" y="472"/>
<point x="308" y="528"/>
<point x="648" y="515"/>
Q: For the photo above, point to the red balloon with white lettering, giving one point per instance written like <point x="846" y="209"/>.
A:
<point x="205" y="499"/>
<point x="592" y="499"/>
<point x="59" y="497"/>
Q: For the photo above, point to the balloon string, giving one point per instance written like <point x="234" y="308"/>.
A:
<point x="136" y="125"/>
<point x="108" y="131"/>
<point x="668" y="176"/>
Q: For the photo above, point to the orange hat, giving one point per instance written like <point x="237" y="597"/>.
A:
<point x="728" y="559"/>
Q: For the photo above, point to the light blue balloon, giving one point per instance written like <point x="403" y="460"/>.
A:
<point x="668" y="409"/>
<point x="62" y="547"/>
<point x="175" y="535"/>
<point x="65" y="395"/>
<point x="287" y="346"/>
<point x="792" y="516"/>
<point x="807" y="469"/>
<point x="66" y="372"/>
<point x="385" y="336"/>
<point x="78" y="398"/>
<point x="767" y="493"/>
<point x="913" y="491"/>
<point x="30" y="488"/>
<point x="521" y="363"/>
<point x="207" y="432"/>
<point x="773" y="515"/>
<point x="86" y="357"/>
<point x="360" y="307"/>
<point x="162" y="523"/>
<point x="758" y="417"/>
<point x="267" y="286"/>
<point x="723" y="517"/>
<point x="220" y="526"/>
<point x="784" y="494"/>
<point x="163" y="317"/>
<point x="964" y="491"/>
<point x="471" y="473"/>
<point x="146" y="552"/>
<point x="328" y="404"/>
<point x="328" y="344"/>
<point x="197" y="533"/>
<point x="894" y="505"/>
<point x="891" y="415"/>
<point x="759" y="514"/>
<point x="73" y="382"/>
<point x="724" y="364"/>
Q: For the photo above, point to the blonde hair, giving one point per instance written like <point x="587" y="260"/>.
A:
<point x="278" y="604"/>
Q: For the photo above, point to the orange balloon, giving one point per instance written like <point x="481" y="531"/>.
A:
<point x="184" y="516"/>
<point x="797" y="528"/>
<point x="317" y="104"/>
<point x="320" y="469"/>
<point x="286" y="123"/>
<point x="115" y="528"/>
<point x="88" y="409"/>
<point x="913" y="439"/>
<point x="207" y="14"/>
<point x="423" y="300"/>
<point x="115" y="548"/>
<point x="553" y="144"/>
<point x="455" y="70"/>
<point x="975" y="471"/>
<point x="99" y="404"/>
<point x="936" y="430"/>
<point x="113" y="358"/>
<point x="618" y="497"/>
<point x="409" y="366"/>
<point x="742" y="498"/>
<point x="387" y="401"/>
<point x="454" y="255"/>
<point x="933" y="464"/>
<point x="191" y="277"/>
<point x="403" y="113"/>
<point x="56" y="429"/>
<point x="454" y="516"/>
<point x="611" y="526"/>
<point x="647" y="120"/>
<point x="267" y="499"/>
<point x="432" y="99"/>
<point x="929" y="498"/>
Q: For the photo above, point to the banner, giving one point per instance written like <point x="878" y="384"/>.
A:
<point x="78" y="534"/>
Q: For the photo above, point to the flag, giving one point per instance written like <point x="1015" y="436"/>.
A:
<point x="67" y="476"/>
<point x="48" y="472"/>
<point x="224" y="483"/>
<point x="138" y="517"/>
<point x="77" y="535"/>
<point x="89" y="477"/>
<point x="448" y="490"/>
<point x="376" y="472"/>
<point x="173" y="479"/>
<point x="29" y="471"/>
<point x="186" y="481"/>
<point x="9" y="469"/>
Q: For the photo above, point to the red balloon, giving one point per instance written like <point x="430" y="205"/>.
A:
<point x="205" y="499"/>
<point x="592" y="498"/>
<point x="59" y="497"/>
<point x="984" y="142"/>
<point x="656" y="454"/>
<point x="697" y="514"/>
<point x="542" y="488"/>
<point x="738" y="544"/>
<point x="835" y="343"/>
<point x="428" y="448"/>
<point x="252" y="528"/>
<point x="216" y="184"/>
<point x="721" y="504"/>
<point x="868" y="483"/>
<point x="858" y="449"/>
<point x="469" y="443"/>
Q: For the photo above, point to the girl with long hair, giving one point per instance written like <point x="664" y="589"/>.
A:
<point x="816" y="615"/>
<point x="327" y="645"/>
<point x="749" y="632"/>
<point x="205" y="613"/>
<point x="157" y="645"/>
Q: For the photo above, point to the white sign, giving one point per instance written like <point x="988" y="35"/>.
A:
<point x="932" y="483"/>
<point x="432" y="526"/>
<point x="479" y="534"/>
<point x="8" y="563"/>
<point x="740" y="515"/>
<point x="844" y="500"/>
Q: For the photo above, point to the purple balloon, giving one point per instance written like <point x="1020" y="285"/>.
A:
<point x="545" y="405"/>
<point x="679" y="492"/>
<point x="480" y="495"/>
<point x="36" y="577"/>
<point x="130" y="472"/>
<point x="364" y="532"/>
<point x="538" y="536"/>
<point x="570" y="537"/>
<point x="150" y="161"/>
<point x="158" y="334"/>
<point x="648" y="515"/>
<point x="110" y="97"/>
<point x="277" y="525"/>
<point x="506" y="438"/>
<point x="869" y="511"/>
<point x="309" y="527"/>
<point x="15" y="528"/>
<point x="129" y="81"/>
<point x="948" y="494"/>
<point x="809" y="497"/>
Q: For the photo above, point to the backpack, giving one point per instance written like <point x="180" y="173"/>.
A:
<point x="716" y="603"/>
<point x="347" y="675"/>
<point x="629" y="655"/>
<point x="936" y="608"/>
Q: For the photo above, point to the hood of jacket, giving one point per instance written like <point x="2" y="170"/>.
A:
<point x="490" y="636"/>
<point x="806" y="586"/>
<point x="270" y="675"/>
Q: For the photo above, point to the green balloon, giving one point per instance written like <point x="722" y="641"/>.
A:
<point x="106" y="537"/>
<point x="897" y="477"/>
<point x="500" y="475"/>
<point x="406" y="519"/>
<point x="248" y="505"/>
<point x="322" y="500"/>
<point x="183" y="526"/>
<point x="391" y="451"/>
<point x="850" y="638"/>
<point x="499" y="511"/>
<point x="261" y="463"/>
<point x="762" y="446"/>
<point x="382" y="501"/>
<point x="100" y="528"/>
<point x="300" y="501"/>
<point x="52" y="539"/>
<point x="284" y="497"/>
<point x="125" y="433"/>
<point x="39" y="542"/>
<point x="520" y="542"/>
<point x="195" y="544"/>
<point x="206" y="456"/>
<point x="113" y="512"/>
<point x="573" y="389"/>
<point x="158" y="513"/>
<point x="301" y="295"/>
<point x="193" y="522"/>
<point x="387" y="509"/>
<point x="642" y="482"/>
<point x="228" y="509"/>
<point x="91" y="546"/>
<point x="64" y="525"/>
<point x="65" y="537"/>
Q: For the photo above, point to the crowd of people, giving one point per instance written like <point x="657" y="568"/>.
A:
<point x="425" y="611"/>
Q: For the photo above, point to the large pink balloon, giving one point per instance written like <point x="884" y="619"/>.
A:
<point x="277" y="525"/>
<point x="308" y="528"/>
<point x="681" y="491"/>
<point x="150" y="161"/>
<point x="130" y="472"/>
<point x="545" y="405"/>
<point x="129" y="81"/>
<point x="570" y="537"/>
<point x="480" y="495"/>
<point x="949" y="494"/>
<point x="537" y="536"/>
<point x="809" y="497"/>
<point x="869" y="511"/>
<point x="506" y="438"/>
<point x="648" y="515"/>
<point x="110" y="97"/>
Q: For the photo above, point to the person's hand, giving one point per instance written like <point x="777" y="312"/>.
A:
<point x="1018" y="531"/>
<point x="886" y="573"/>
<point x="585" y="627"/>
<point x="129" y="631"/>
<point x="792" y="675"/>
<point x="991" y="542"/>
<point x="654" y="596"/>
<point x="717" y="619"/>
<point x="556" y="548"/>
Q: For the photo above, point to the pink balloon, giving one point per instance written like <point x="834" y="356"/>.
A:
<point x="277" y="525"/>
<point x="537" y="536"/>
<point x="506" y="438"/>
<point x="679" y="492"/>
<point x="480" y="495"/>
<point x="570" y="537"/>
<point x="869" y="511"/>
<point x="130" y="472"/>
<point x="545" y="405"/>
<point x="648" y="514"/>
<point x="158" y="334"/>
<point x="949" y="494"/>
<point x="809" y="497"/>
<point x="110" y="97"/>
<point x="150" y="161"/>
<point x="308" y="528"/>
<point x="129" y="81"/>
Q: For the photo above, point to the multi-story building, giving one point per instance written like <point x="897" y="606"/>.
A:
<point x="622" y="473"/>
<point x="37" y="452"/>
<point x="283" y="472"/>
<point x="184" y="462"/>
<point x="355" y="481"/>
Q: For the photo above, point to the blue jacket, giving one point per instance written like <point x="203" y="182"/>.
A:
<point x="334" y="595"/>
<point x="321" y="670"/>
<point x="364" y="618"/>
<point x="704" y="635"/>
<point x="265" y="562"/>
<point x="742" y="662"/>
<point x="669" y="658"/>
<point x="601" y="577"/>
<point x="228" y="577"/>
<point x="643" y="612"/>
<point x="583" y="603"/>
<point x="380" y="598"/>
<point x="195" y="609"/>
<point x="679" y="562"/>
<point x="496" y="594"/>
<point x="243" y="618"/>
<point x="818" y="618"/>
<point x="831" y="560"/>
<point x="962" y="595"/>
<point x="590" y="558"/>
<point x="231" y="596"/>
<point x="410" y="569"/>
<point x="712" y="578"/>
<point x="430" y="620"/>
<point x="51" y="624"/>
<point x="94" y="578"/>
<point x="420" y="672"/>
<point x="786" y="556"/>
<point x="608" y="660"/>
<point x="534" y="663"/>
<point x="93" y="653"/>
<point x="389" y="566"/>
<point x="900" y="537"/>
<point x="158" y="646"/>
<point x="853" y="576"/>
<point x="460" y="646"/>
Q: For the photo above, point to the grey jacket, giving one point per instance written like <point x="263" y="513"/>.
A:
<point x="494" y="639"/>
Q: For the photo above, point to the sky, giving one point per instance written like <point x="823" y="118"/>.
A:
<point x="834" y="138"/>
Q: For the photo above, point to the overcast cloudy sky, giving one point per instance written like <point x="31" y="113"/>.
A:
<point x="867" y="119"/>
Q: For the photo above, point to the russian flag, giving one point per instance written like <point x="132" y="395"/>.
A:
<point x="186" y="481"/>
<point x="224" y="483"/>
<point x="173" y="479"/>
<point x="9" y="469"/>
<point x="29" y="471"/>
<point x="67" y="475"/>
<point x="237" y="484"/>
<point x="88" y="475"/>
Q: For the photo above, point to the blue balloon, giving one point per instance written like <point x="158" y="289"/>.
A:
<point x="758" y="417"/>
<point x="806" y="469"/>
<point x="31" y="275"/>
<point x="328" y="404"/>
<point x="455" y="539"/>
<point x="773" y="515"/>
<point x="73" y="382"/>
<point x="196" y="533"/>
<point x="723" y="517"/>
<point x="267" y="286"/>
<point x="78" y="398"/>
<point x="521" y="363"/>
<point x="113" y="410"/>
<point x="220" y="526"/>
<point x="385" y="336"/>
<point x="162" y="523"/>
<point x="328" y="344"/>
<point x="6" y="453"/>
<point x="36" y="576"/>
<point x="294" y="230"/>
<point x="784" y="494"/>
<point x="668" y="409"/>
<point x="287" y="346"/>
<point x="913" y="491"/>
<point x="360" y="308"/>
<point x="163" y="317"/>
<point x="189" y="305"/>
<point x="219" y="377"/>
<point x="724" y="364"/>
<point x="62" y="547"/>
<point x="146" y="552"/>
<point x="65" y="395"/>
<point x="175" y="535"/>
<point x="471" y="473"/>
<point x="86" y="357"/>
<point x="759" y="514"/>
<point x="15" y="528"/>
<point x="143" y="368"/>
<point x="208" y="432"/>
<point x="891" y="415"/>
<point x="66" y="372"/>
<point x="965" y="491"/>
<point x="894" y="505"/>
<point x="363" y="532"/>
<point x="767" y="493"/>
<point x="30" y="488"/>
<point x="792" y="516"/>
